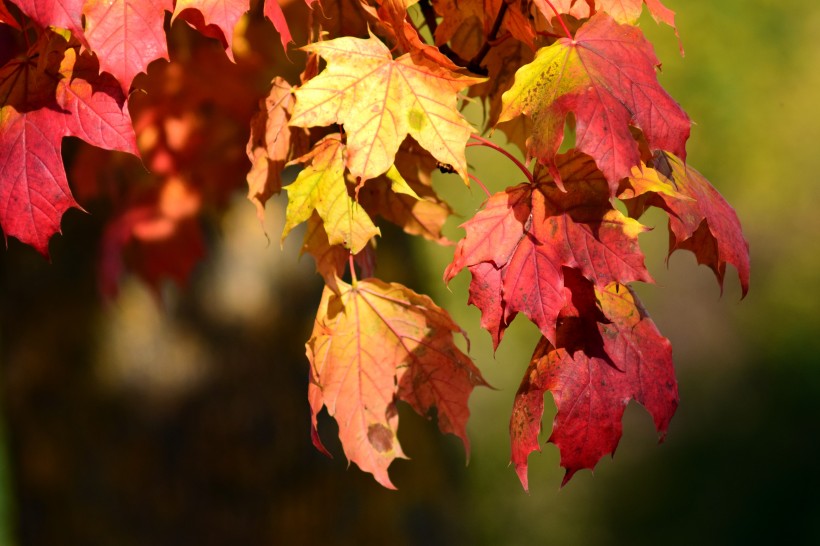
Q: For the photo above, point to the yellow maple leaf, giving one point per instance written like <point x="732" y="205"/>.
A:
<point x="321" y="187"/>
<point x="380" y="100"/>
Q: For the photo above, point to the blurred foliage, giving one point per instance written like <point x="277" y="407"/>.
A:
<point x="196" y="431"/>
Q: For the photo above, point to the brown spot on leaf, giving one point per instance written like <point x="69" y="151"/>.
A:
<point x="380" y="437"/>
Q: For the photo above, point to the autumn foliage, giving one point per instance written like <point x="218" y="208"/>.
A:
<point x="377" y="108"/>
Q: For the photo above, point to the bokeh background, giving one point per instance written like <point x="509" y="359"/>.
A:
<point x="180" y="417"/>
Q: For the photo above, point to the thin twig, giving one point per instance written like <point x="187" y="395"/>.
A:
<point x="490" y="144"/>
<point x="560" y="20"/>
<point x="475" y="63"/>
<point x="480" y="183"/>
<point x="429" y="16"/>
<point x="430" y="19"/>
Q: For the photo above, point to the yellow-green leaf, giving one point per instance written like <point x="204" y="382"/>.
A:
<point x="321" y="187"/>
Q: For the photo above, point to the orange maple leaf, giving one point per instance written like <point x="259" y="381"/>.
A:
<point x="374" y="343"/>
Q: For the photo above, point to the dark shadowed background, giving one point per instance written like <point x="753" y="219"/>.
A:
<point x="181" y="418"/>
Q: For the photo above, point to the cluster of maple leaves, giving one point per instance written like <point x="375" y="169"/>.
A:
<point x="375" y="112"/>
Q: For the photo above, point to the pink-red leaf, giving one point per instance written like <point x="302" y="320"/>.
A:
<point x="606" y="77"/>
<point x="126" y="35"/>
<point x="273" y="11"/>
<point x="34" y="192"/>
<point x="530" y="233"/>
<point x="39" y="105"/>
<point x="96" y="109"/>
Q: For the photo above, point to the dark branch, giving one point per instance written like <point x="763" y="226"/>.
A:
<point x="474" y="65"/>
<point x="430" y="19"/>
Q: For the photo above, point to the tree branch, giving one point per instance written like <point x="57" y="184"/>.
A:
<point x="430" y="19"/>
<point x="474" y="65"/>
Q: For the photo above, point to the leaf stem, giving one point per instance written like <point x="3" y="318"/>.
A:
<point x="490" y="144"/>
<point x="480" y="184"/>
<point x="474" y="65"/>
<point x="353" y="280"/>
<point x="560" y="20"/>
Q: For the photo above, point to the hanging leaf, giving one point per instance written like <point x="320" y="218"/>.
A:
<point x="373" y="344"/>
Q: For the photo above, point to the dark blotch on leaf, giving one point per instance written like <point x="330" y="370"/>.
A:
<point x="380" y="437"/>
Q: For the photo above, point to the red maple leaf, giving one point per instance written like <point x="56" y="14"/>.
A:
<point x="45" y="95"/>
<point x="532" y="231"/>
<point x="592" y="378"/>
<point x="606" y="77"/>
<point x="126" y="35"/>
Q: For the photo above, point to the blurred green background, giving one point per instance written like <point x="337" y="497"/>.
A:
<point x="186" y="422"/>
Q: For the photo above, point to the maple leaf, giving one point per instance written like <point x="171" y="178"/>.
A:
<point x="126" y="35"/>
<point x="700" y="219"/>
<point x="48" y="94"/>
<point x="380" y="101"/>
<point x="606" y="77"/>
<point x="592" y="378"/>
<point x="321" y="187"/>
<point x="529" y="233"/>
<point x="374" y="343"/>
<point x="600" y="241"/>
<point x="272" y="144"/>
